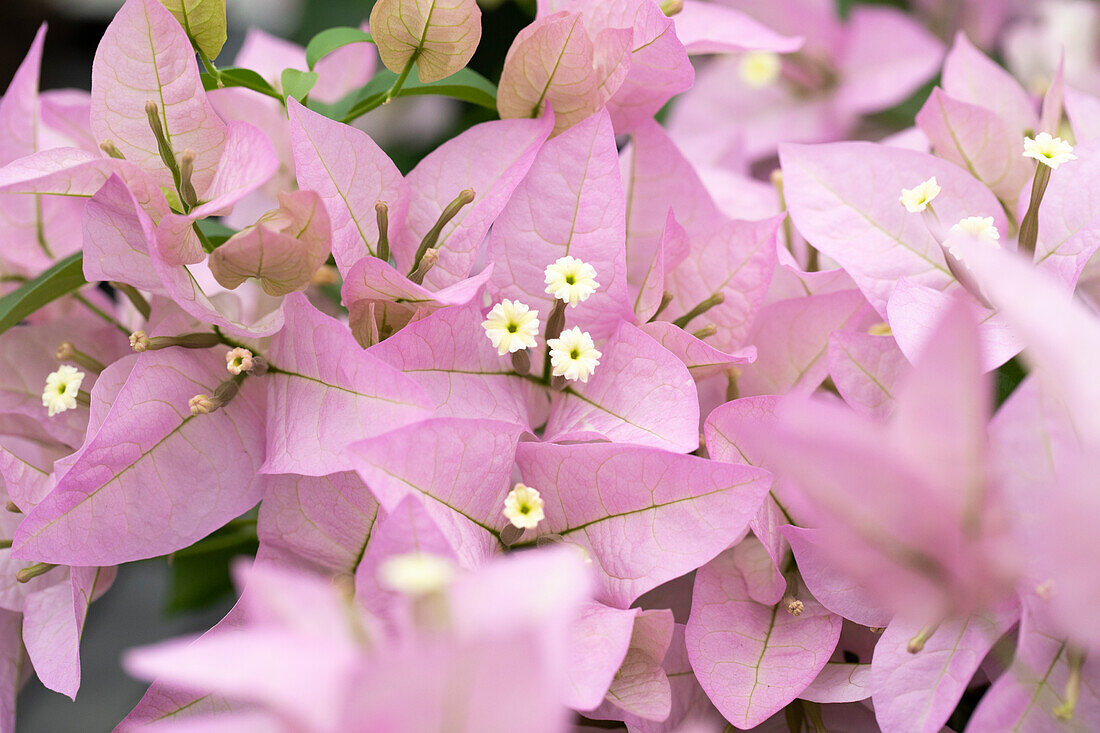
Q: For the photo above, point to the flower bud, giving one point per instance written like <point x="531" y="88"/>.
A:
<point x="431" y="239"/>
<point x="31" y="572"/>
<point x="67" y="352"/>
<point x="187" y="170"/>
<point x="202" y="404"/>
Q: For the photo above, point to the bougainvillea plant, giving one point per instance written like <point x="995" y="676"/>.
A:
<point x="650" y="403"/>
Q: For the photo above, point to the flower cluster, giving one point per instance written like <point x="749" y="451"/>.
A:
<point x="576" y="420"/>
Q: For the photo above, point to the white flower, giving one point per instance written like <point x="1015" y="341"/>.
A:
<point x="523" y="507"/>
<point x="1051" y="151"/>
<point x="916" y="199"/>
<point x="511" y="326"/>
<point x="571" y="280"/>
<point x="979" y="227"/>
<point x="61" y="389"/>
<point x="415" y="574"/>
<point x="574" y="355"/>
<point x="759" y="68"/>
<point x="238" y="360"/>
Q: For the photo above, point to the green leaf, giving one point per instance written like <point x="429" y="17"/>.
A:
<point x="200" y="574"/>
<point x="329" y="40"/>
<point x="1008" y="378"/>
<point x="61" y="279"/>
<point x="215" y="231"/>
<point x="204" y="22"/>
<point x="297" y="83"/>
<point x="466" y="85"/>
<point x="236" y="77"/>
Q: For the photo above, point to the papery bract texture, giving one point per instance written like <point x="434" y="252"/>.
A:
<point x="570" y="204"/>
<point x="439" y="35"/>
<point x="917" y="692"/>
<point x="677" y="512"/>
<point x="145" y="56"/>
<point x="489" y="159"/>
<point x="555" y="63"/>
<point x="857" y="220"/>
<point x="352" y="175"/>
<point x="325" y="392"/>
<point x="753" y="659"/>
<point x="102" y="510"/>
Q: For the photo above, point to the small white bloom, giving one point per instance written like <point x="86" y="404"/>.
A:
<point x="1048" y="150"/>
<point x="511" y="326"/>
<point x="415" y="574"/>
<point x="574" y="355"/>
<point x="238" y="360"/>
<point x="523" y="507"/>
<point x="61" y="389"/>
<point x="571" y="280"/>
<point x="916" y="199"/>
<point x="979" y="227"/>
<point x="759" y="69"/>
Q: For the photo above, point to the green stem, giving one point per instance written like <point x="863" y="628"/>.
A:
<point x="431" y="239"/>
<point x="381" y="98"/>
<point x="207" y="63"/>
<point x="706" y="305"/>
<point x="813" y="714"/>
<point x="233" y="343"/>
<point x="207" y="245"/>
<point x="1076" y="661"/>
<point x="136" y="298"/>
<point x="666" y="300"/>
<point x="68" y="352"/>
<point x="101" y="313"/>
<point x="1029" y="227"/>
<point x="400" y="82"/>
